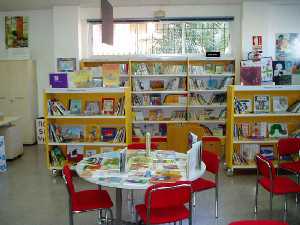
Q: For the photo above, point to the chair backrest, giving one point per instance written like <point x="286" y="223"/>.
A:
<point x="142" y="146"/>
<point x="168" y="195"/>
<point x="265" y="167"/>
<point x="67" y="175"/>
<point x="211" y="160"/>
<point x="288" y="146"/>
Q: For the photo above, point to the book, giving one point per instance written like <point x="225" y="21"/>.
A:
<point x="111" y="75"/>
<point x="90" y="152"/>
<point x="219" y="69"/>
<point x="155" y="99"/>
<point x="108" y="133"/>
<point x="92" y="133"/>
<point x="108" y="106"/>
<point x="280" y="103"/>
<point x="261" y="103"/>
<point x="74" y="153"/>
<point x="243" y="106"/>
<point x="277" y="130"/>
<point x="157" y="84"/>
<point x="57" y="157"/>
<point x="80" y="79"/>
<point x="72" y="134"/>
<point x="155" y="115"/>
<point x="75" y="106"/>
<point x="248" y="151"/>
<point x="58" y="80"/>
<point x="92" y="108"/>
<point x="267" y="151"/>
<point x="250" y="75"/>
<point x="139" y="115"/>
<point x="258" y="130"/>
<point x="295" y="107"/>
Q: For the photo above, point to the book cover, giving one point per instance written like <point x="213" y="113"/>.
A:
<point x="111" y="75"/>
<point x="75" y="106"/>
<point x="261" y="103"/>
<point x="277" y="130"/>
<point x="157" y="84"/>
<point x="90" y="152"/>
<point x="280" y="103"/>
<point x="58" y="80"/>
<point x="80" y="79"/>
<point x="219" y="69"/>
<point x="267" y="151"/>
<point x="108" y="106"/>
<point x="108" y="133"/>
<point x="92" y="133"/>
<point x="71" y="133"/>
<point x="92" y="107"/>
<point x="266" y="69"/>
<point x="245" y="105"/>
<point x="74" y="153"/>
<point x="250" y="75"/>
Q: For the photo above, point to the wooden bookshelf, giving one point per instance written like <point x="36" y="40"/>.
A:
<point x="101" y="121"/>
<point x="248" y="92"/>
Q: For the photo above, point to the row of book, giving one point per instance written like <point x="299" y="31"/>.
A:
<point x="157" y="68"/>
<point x="158" y="99"/>
<point x="211" y="69"/>
<point x="140" y="130"/>
<point x="260" y="130"/>
<point x="107" y="107"/>
<point x="170" y="84"/>
<point x="210" y="84"/>
<point x="207" y="114"/>
<point x="89" y="133"/>
<point x="207" y="99"/>
<point x="262" y="104"/>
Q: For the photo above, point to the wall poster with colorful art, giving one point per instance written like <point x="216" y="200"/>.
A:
<point x="16" y="31"/>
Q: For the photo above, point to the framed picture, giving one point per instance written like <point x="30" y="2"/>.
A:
<point x="66" y="64"/>
<point x="261" y="103"/>
<point x="108" y="106"/>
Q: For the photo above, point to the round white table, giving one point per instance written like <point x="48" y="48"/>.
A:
<point x="88" y="170"/>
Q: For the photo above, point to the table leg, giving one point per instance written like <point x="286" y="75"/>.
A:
<point x="118" y="206"/>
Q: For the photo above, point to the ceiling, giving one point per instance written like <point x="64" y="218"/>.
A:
<point x="9" y="5"/>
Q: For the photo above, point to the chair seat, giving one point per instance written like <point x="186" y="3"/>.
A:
<point x="90" y="200"/>
<point x="281" y="185"/>
<point x="258" y="222"/>
<point x="158" y="216"/>
<point x="202" y="184"/>
<point x="291" y="166"/>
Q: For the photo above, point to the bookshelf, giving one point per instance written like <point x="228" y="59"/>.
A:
<point x="85" y="131"/>
<point x="163" y="86"/>
<point x="252" y="124"/>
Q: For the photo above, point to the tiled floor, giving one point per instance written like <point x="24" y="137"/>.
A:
<point x="29" y="195"/>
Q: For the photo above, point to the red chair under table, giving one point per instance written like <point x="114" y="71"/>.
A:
<point x="275" y="185"/>
<point x="258" y="222"/>
<point x="286" y="147"/>
<point x="142" y="146"/>
<point x="87" y="200"/>
<point x="165" y="203"/>
<point x="212" y="162"/>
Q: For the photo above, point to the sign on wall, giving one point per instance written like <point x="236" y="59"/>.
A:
<point x="287" y="46"/>
<point x="40" y="131"/>
<point x="16" y="31"/>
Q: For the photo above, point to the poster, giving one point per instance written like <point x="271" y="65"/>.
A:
<point x="111" y="75"/>
<point x="287" y="46"/>
<point x="40" y="131"/>
<point x="16" y="31"/>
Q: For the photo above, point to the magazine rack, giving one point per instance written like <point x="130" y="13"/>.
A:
<point x="238" y="123"/>
<point x="101" y="121"/>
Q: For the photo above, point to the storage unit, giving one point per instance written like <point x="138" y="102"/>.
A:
<point x="264" y="128"/>
<point x="55" y="122"/>
<point x="18" y="95"/>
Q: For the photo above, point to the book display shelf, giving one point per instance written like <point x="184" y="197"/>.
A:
<point x="81" y="122"/>
<point x="172" y="91"/>
<point x="257" y="116"/>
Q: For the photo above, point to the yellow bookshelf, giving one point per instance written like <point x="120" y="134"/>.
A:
<point x="64" y="96"/>
<point x="248" y="92"/>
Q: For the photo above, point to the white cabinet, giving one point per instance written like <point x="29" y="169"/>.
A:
<point x="18" y="95"/>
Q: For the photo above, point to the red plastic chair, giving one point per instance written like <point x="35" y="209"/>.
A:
<point x="288" y="146"/>
<point x="142" y="145"/>
<point x="275" y="185"/>
<point x="212" y="162"/>
<point x="258" y="222"/>
<point x="87" y="200"/>
<point x="162" y="207"/>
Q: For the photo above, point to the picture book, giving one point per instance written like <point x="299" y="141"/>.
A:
<point x="111" y="161"/>
<point x="138" y="160"/>
<point x="75" y="106"/>
<point x="250" y="75"/>
<point x="277" y="130"/>
<point x="80" y="79"/>
<point x="155" y="115"/>
<point x="165" y="176"/>
<point x="261" y="103"/>
<point x="248" y="151"/>
<point x="92" y="133"/>
<point x="228" y="68"/>
<point x="90" y="152"/>
<point x="155" y="99"/>
<point x="280" y="103"/>
<point x="258" y="130"/>
<point x="157" y="84"/>
<point x="243" y="106"/>
<point x="58" y="80"/>
<point x="209" y="68"/>
<point x="136" y="180"/>
<point x="108" y="133"/>
<point x="108" y="106"/>
<point x="295" y="107"/>
<point x="267" y="151"/>
<point x="111" y="179"/>
<point x="57" y="157"/>
<point x="74" y="153"/>
<point x="92" y="108"/>
<point x="266" y="69"/>
<point x="219" y="69"/>
<point x="72" y="134"/>
<point x="111" y="75"/>
<point x="139" y="115"/>
<point x="196" y="69"/>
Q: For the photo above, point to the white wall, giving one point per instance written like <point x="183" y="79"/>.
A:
<point x="40" y="45"/>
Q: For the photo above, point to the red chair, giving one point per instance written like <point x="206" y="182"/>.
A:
<point x="276" y="185"/>
<point x="142" y="146"/>
<point x="87" y="200"/>
<point x="288" y="146"/>
<point x="258" y="222"/>
<point x="162" y="207"/>
<point x="212" y="162"/>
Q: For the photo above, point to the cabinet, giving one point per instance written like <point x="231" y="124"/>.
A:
<point x="18" y="95"/>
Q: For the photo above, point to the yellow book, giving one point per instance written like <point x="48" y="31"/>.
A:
<point x="92" y="133"/>
<point x="111" y="75"/>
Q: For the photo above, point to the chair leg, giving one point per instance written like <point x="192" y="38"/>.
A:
<point x="285" y="203"/>
<point x="99" y="218"/>
<point x="106" y="217"/>
<point x="71" y="220"/>
<point x="298" y="182"/>
<point x="194" y="199"/>
<point x="271" y="201"/>
<point x="180" y="222"/>
<point x="256" y="196"/>
<point x="111" y="216"/>
<point x="216" y="201"/>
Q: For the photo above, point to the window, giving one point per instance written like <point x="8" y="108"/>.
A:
<point x="147" y="38"/>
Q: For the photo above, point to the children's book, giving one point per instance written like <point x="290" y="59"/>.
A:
<point x="280" y="103"/>
<point x="92" y="133"/>
<point x="261" y="103"/>
<point x="74" y="153"/>
<point x="90" y="152"/>
<point x="245" y="106"/>
<point x="75" y="106"/>
<point x="108" y="133"/>
<point x="267" y="151"/>
<point x="92" y="107"/>
<point x="219" y="69"/>
<point x="250" y="75"/>
<point x="111" y="75"/>
<point x="277" y="130"/>
<point x="72" y="134"/>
